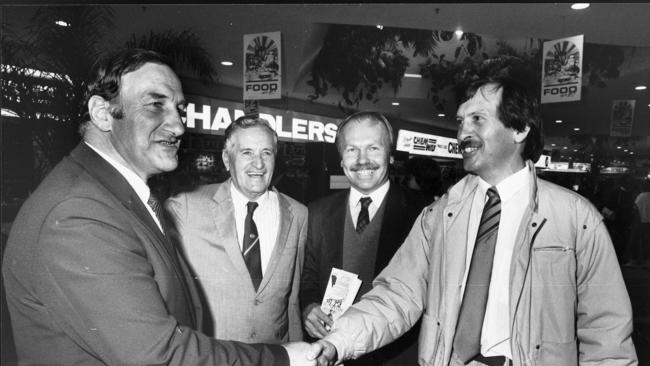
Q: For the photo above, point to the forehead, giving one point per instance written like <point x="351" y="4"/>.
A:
<point x="252" y="137"/>
<point x="486" y="99"/>
<point x="151" y="77"/>
<point x="365" y="130"/>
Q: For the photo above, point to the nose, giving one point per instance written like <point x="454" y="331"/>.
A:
<point x="463" y="130"/>
<point x="175" y="124"/>
<point x="362" y="157"/>
<point x="258" y="161"/>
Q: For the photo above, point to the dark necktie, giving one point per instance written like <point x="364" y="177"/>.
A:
<point x="467" y="341"/>
<point x="251" y="247"/>
<point x="364" y="217"/>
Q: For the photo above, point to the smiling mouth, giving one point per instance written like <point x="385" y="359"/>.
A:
<point x="255" y="174"/>
<point x="175" y="143"/>
<point x="469" y="147"/>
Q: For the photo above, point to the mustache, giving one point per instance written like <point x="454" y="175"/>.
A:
<point x="367" y="166"/>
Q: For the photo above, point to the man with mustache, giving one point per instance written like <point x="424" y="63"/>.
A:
<point x="245" y="242"/>
<point x="505" y="268"/>
<point x="361" y="238"/>
<point x="90" y="273"/>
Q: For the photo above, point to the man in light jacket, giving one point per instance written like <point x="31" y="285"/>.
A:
<point x="505" y="269"/>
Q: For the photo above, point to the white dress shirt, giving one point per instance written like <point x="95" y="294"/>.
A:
<point x="139" y="186"/>
<point x="514" y="195"/>
<point x="377" y="197"/>
<point x="266" y="217"/>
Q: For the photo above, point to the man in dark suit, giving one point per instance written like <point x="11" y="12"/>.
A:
<point x="90" y="275"/>
<point x="359" y="230"/>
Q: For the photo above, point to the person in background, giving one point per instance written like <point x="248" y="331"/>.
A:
<point x="635" y="252"/>
<point x="90" y="273"/>
<point x="245" y="242"/>
<point x="359" y="229"/>
<point x="424" y="176"/>
<point x="506" y="268"/>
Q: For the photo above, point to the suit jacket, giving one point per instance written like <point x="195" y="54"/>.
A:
<point x="324" y="248"/>
<point x="91" y="280"/>
<point x="206" y="231"/>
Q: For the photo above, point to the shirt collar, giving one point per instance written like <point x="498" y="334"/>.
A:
<point x="509" y="186"/>
<point x="139" y="186"/>
<point x="377" y="195"/>
<point x="239" y="200"/>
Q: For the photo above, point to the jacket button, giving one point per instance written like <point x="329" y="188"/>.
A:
<point x="450" y="214"/>
<point x="534" y="224"/>
<point x="253" y="335"/>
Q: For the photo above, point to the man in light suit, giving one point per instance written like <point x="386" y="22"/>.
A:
<point x="364" y="141"/>
<point x="249" y="278"/>
<point x="90" y="274"/>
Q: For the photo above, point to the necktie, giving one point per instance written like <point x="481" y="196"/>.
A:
<point x="155" y="206"/>
<point x="364" y="217"/>
<point x="467" y="341"/>
<point x="251" y="247"/>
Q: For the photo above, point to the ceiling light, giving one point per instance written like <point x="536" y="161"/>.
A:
<point x="625" y="150"/>
<point x="576" y="128"/>
<point x="459" y="33"/>
<point x="380" y="26"/>
<point x="62" y="23"/>
<point x="395" y="103"/>
<point x="416" y="76"/>
<point x="618" y="147"/>
<point x="552" y="144"/>
<point x="565" y="148"/>
<point x="640" y="87"/>
<point x="579" y="6"/>
<point x="558" y="121"/>
<point x="226" y="63"/>
<point x="441" y="114"/>
<point x="574" y="150"/>
<point x="631" y="152"/>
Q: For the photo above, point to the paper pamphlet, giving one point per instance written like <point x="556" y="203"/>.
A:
<point x="342" y="288"/>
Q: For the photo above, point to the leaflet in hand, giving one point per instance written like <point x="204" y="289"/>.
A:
<point x="342" y="288"/>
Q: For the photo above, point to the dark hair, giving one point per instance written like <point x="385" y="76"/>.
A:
<point x="517" y="109"/>
<point x="106" y="76"/>
<point x="245" y="122"/>
<point x="376" y="117"/>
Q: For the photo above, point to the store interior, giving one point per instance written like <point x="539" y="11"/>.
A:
<point x="406" y="61"/>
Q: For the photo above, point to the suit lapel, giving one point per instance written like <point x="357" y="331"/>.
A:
<point x="391" y="228"/>
<point x="223" y="215"/>
<point x="286" y="221"/>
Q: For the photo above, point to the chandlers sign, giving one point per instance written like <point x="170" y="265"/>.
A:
<point x="262" y="71"/>
<point x="562" y="70"/>
<point x="212" y="116"/>
<point x="424" y="144"/>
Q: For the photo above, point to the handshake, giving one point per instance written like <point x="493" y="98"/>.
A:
<point x="321" y="353"/>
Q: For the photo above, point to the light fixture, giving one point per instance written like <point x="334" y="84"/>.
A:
<point x="441" y="114"/>
<point x="380" y="26"/>
<point x="226" y="63"/>
<point x="574" y="150"/>
<point x="565" y="148"/>
<point x="576" y="128"/>
<point x="558" y="121"/>
<point x="631" y="152"/>
<point x="640" y="87"/>
<point x="62" y="23"/>
<point x="618" y="147"/>
<point x="552" y="144"/>
<point x="625" y="150"/>
<point x="395" y="103"/>
<point x="579" y="6"/>
<point x="416" y="76"/>
<point x="459" y="33"/>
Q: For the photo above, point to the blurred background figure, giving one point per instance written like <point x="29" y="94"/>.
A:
<point x="640" y="233"/>
<point x="424" y="176"/>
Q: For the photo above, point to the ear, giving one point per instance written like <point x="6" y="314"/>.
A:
<point x="226" y="159"/>
<point x="520" y="136"/>
<point x="98" y="108"/>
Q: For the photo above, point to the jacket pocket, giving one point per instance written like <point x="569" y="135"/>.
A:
<point x="554" y="353"/>
<point x="553" y="301"/>
<point x="429" y="340"/>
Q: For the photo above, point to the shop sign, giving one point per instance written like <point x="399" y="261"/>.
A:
<point x="562" y="70"/>
<point x="212" y="116"/>
<point x="622" y="118"/>
<point x="262" y="71"/>
<point x="418" y="143"/>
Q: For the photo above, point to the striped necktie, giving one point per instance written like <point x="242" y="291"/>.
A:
<point x="251" y="247"/>
<point x="467" y="340"/>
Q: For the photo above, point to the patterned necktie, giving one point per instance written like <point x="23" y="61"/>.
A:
<point x="467" y="341"/>
<point x="251" y="247"/>
<point x="155" y="206"/>
<point x="364" y="217"/>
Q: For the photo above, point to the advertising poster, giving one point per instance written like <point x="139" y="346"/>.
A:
<point x="622" y="118"/>
<point x="262" y="60"/>
<point x="430" y="145"/>
<point x="562" y="70"/>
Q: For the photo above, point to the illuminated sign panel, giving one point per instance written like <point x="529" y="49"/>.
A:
<point x="418" y="143"/>
<point x="212" y="116"/>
